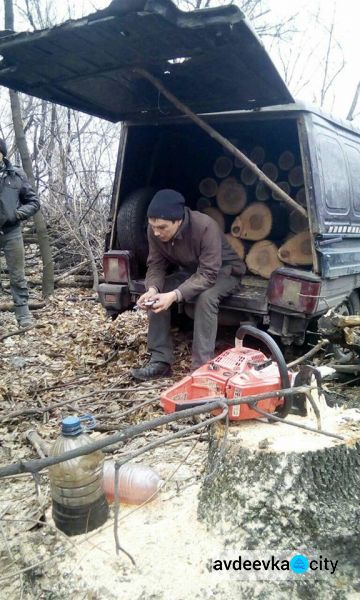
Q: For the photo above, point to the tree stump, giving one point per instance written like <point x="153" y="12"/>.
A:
<point x="279" y="488"/>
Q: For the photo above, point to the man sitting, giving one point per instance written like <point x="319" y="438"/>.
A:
<point x="207" y="271"/>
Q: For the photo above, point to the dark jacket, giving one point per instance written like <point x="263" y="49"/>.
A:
<point x="198" y="247"/>
<point x="18" y="201"/>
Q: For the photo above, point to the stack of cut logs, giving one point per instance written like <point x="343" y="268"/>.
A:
<point x="262" y="230"/>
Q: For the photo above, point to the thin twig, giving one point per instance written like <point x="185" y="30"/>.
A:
<point x="40" y="411"/>
<point x="174" y="436"/>
<point x="20" y="331"/>
<point x="116" y="514"/>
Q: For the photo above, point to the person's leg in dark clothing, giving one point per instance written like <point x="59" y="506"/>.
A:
<point x="13" y="246"/>
<point x="160" y="343"/>
<point x="206" y="317"/>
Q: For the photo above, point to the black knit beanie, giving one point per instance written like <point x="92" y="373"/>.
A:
<point x="166" y="204"/>
<point x="3" y="148"/>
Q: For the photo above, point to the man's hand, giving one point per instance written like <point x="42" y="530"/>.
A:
<point x="163" y="301"/>
<point x="149" y="295"/>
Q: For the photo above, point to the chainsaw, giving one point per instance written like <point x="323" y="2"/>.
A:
<point x="234" y="374"/>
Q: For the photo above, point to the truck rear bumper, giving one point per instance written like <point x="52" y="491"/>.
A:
<point x="114" y="297"/>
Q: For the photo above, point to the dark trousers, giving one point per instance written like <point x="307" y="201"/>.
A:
<point x="205" y="319"/>
<point x="13" y="246"/>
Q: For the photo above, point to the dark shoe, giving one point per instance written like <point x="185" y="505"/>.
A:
<point x="152" y="370"/>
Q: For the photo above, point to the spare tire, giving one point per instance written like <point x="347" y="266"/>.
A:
<point x="132" y="223"/>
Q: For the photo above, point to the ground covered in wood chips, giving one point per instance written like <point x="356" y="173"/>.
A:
<point x="74" y="362"/>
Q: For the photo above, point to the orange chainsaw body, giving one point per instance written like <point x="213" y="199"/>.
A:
<point x="235" y="373"/>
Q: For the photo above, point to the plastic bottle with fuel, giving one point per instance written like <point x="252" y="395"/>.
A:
<point x="137" y="483"/>
<point x="79" y="503"/>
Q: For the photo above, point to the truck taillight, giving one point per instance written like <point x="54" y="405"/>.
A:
<point x="116" y="265"/>
<point x="293" y="292"/>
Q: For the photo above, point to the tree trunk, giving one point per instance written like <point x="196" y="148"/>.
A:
<point x="297" y="250"/>
<point x="270" y="170"/>
<point x="254" y="223"/>
<point x="247" y="175"/>
<point x="298" y="222"/>
<point x="215" y="214"/>
<point x="278" y="488"/>
<point x="208" y="187"/>
<point x="301" y="196"/>
<point x="296" y="176"/>
<point x="257" y="155"/>
<point x="262" y="192"/>
<point x="202" y="203"/>
<point x="231" y="196"/>
<point x="260" y="220"/>
<point x="223" y="166"/>
<point x="237" y="245"/>
<point x="285" y="186"/>
<point x="43" y="238"/>
<point x="262" y="259"/>
<point x="286" y="160"/>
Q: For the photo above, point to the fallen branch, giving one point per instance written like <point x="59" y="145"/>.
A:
<point x="34" y="466"/>
<point x="309" y="354"/>
<point x="71" y="402"/>
<point x="9" y="307"/>
<point x="37" y="465"/>
<point x="40" y="445"/>
<point x="20" y="330"/>
<point x="72" y="271"/>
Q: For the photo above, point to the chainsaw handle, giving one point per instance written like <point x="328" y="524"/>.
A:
<point x="276" y="355"/>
